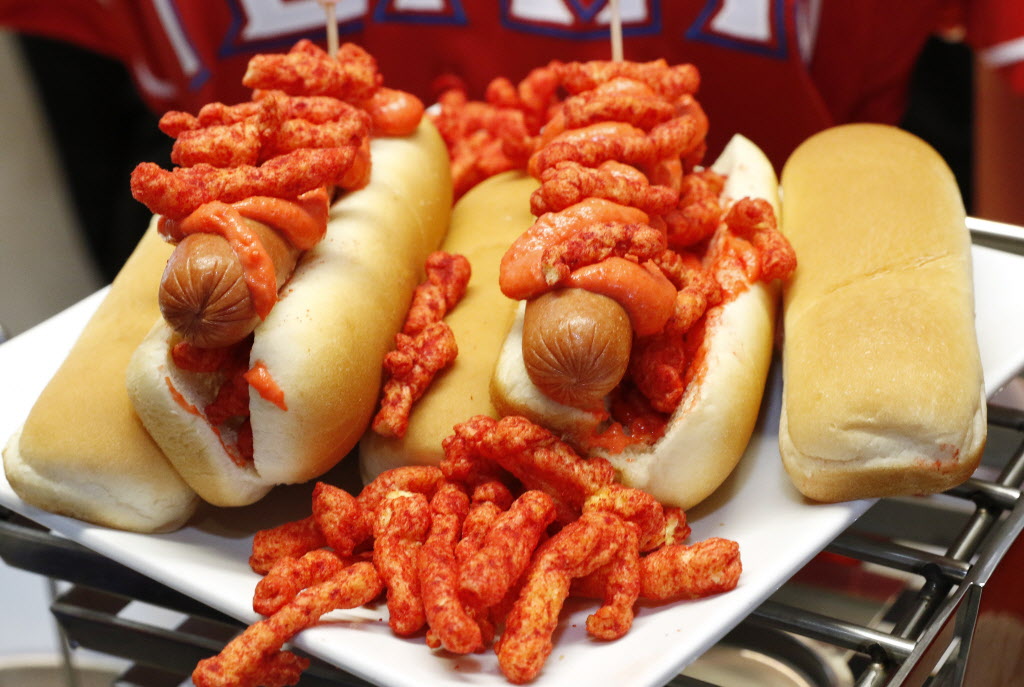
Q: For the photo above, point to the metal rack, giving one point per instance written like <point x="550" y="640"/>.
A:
<point x="954" y="555"/>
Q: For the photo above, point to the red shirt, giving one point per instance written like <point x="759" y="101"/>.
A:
<point x="774" y="70"/>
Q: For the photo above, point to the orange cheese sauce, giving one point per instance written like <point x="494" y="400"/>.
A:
<point x="645" y="293"/>
<point x="223" y="219"/>
<point x="642" y="290"/>
<point x="303" y="222"/>
<point x="260" y="379"/>
<point x="393" y="113"/>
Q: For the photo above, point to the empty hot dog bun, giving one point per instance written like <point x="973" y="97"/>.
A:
<point x="706" y="435"/>
<point x="82" y="452"/>
<point x="323" y="342"/>
<point x="483" y="223"/>
<point x="883" y="389"/>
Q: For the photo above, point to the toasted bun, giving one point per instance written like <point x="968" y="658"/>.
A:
<point x="483" y="224"/>
<point x="82" y="452"/>
<point x="883" y="391"/>
<point x="324" y="341"/>
<point x="709" y="431"/>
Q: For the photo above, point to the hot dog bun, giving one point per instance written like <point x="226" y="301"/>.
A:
<point x="324" y="340"/>
<point x="882" y="377"/>
<point x="709" y="431"/>
<point x="483" y="223"/>
<point x="82" y="451"/>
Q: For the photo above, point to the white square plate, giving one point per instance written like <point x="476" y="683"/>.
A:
<point x="778" y="532"/>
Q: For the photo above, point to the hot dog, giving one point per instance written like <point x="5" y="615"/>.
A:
<point x="882" y="380"/>
<point x="82" y="452"/>
<point x="576" y="345"/>
<point x="645" y="285"/>
<point x="203" y="294"/>
<point x="684" y="442"/>
<point x="212" y="293"/>
<point x="357" y="207"/>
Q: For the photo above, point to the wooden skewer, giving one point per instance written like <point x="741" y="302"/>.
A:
<point x="616" y="30"/>
<point x="332" y="25"/>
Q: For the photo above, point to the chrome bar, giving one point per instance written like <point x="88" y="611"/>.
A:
<point x="824" y="628"/>
<point x="899" y="557"/>
<point x="1004" y="237"/>
<point x="1008" y="418"/>
<point x="987" y="493"/>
